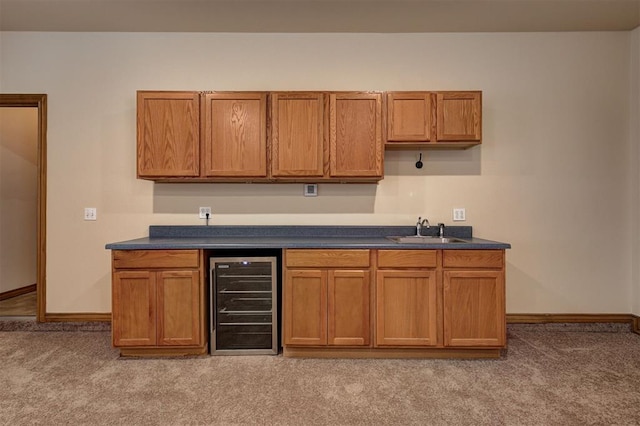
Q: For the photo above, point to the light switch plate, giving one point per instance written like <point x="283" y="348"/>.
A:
<point x="90" y="213"/>
<point x="459" y="215"/>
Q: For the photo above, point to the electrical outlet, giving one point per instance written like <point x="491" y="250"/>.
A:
<point x="204" y="211"/>
<point x="90" y="213"/>
<point x="459" y="215"/>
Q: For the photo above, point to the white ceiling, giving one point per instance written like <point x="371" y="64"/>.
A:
<point x="378" y="16"/>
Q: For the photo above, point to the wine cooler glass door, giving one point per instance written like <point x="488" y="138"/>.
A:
<point x="243" y="306"/>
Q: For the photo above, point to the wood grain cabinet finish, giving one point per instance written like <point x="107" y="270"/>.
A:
<point x="168" y="134"/>
<point x="348" y="304"/>
<point x="326" y="136"/>
<point x="411" y="117"/>
<point x="459" y="116"/>
<point x="434" y="119"/>
<point x="448" y="303"/>
<point x="134" y="305"/>
<point x="406" y="308"/>
<point x="157" y="303"/>
<point x="305" y="307"/>
<point x="474" y="298"/>
<point x="474" y="308"/>
<point x="235" y="134"/>
<point x="355" y="135"/>
<point x="179" y="316"/>
<point x="325" y="305"/>
<point x="298" y="134"/>
<point x="406" y="298"/>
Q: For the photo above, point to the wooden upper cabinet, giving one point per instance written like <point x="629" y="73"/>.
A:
<point x="235" y="134"/>
<point x="168" y="134"/>
<point x="294" y="136"/>
<point x="297" y="134"/>
<point x="355" y="135"/>
<point x="411" y="117"/>
<point x="459" y="116"/>
<point x="433" y="119"/>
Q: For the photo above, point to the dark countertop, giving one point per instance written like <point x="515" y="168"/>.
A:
<point x="347" y="237"/>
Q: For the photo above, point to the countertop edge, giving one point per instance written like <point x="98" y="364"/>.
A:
<point x="287" y="243"/>
<point x="283" y="237"/>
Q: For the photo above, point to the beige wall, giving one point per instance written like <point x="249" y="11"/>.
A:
<point x="552" y="177"/>
<point x="18" y="197"/>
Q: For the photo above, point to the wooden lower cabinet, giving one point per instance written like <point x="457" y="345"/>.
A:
<point x="424" y="300"/>
<point x="133" y="316"/>
<point x="326" y="307"/>
<point x="326" y="298"/>
<point x="474" y="308"/>
<point x="178" y="314"/>
<point x="427" y="303"/>
<point x="407" y="298"/>
<point x="348" y="308"/>
<point x="406" y="308"/>
<point x="305" y="302"/>
<point x="158" y="309"/>
<point x="474" y="298"/>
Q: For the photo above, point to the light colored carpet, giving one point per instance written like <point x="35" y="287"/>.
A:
<point x="549" y="376"/>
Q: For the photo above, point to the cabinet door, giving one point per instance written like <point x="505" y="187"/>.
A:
<point x="179" y="316"/>
<point x="133" y="318"/>
<point x="348" y="308"/>
<point x="168" y="126"/>
<point x="406" y="308"/>
<point x="474" y="312"/>
<point x="355" y="134"/>
<point x="410" y="117"/>
<point x="297" y="134"/>
<point x="305" y="307"/>
<point x="235" y="136"/>
<point x="459" y="116"/>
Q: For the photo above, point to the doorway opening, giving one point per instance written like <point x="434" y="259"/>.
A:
<point x="39" y="102"/>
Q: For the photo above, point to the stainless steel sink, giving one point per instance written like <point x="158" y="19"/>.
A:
<point x="415" y="239"/>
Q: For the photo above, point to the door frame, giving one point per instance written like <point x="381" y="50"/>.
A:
<point x="37" y="101"/>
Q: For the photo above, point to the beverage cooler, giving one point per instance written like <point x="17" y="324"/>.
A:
<point x="243" y="306"/>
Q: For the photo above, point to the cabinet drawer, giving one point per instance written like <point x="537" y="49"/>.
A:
<point x="327" y="258"/>
<point x="473" y="258"/>
<point x="155" y="259"/>
<point x="407" y="258"/>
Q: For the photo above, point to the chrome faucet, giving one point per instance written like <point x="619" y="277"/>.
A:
<point x="422" y="223"/>
<point x="441" y="230"/>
